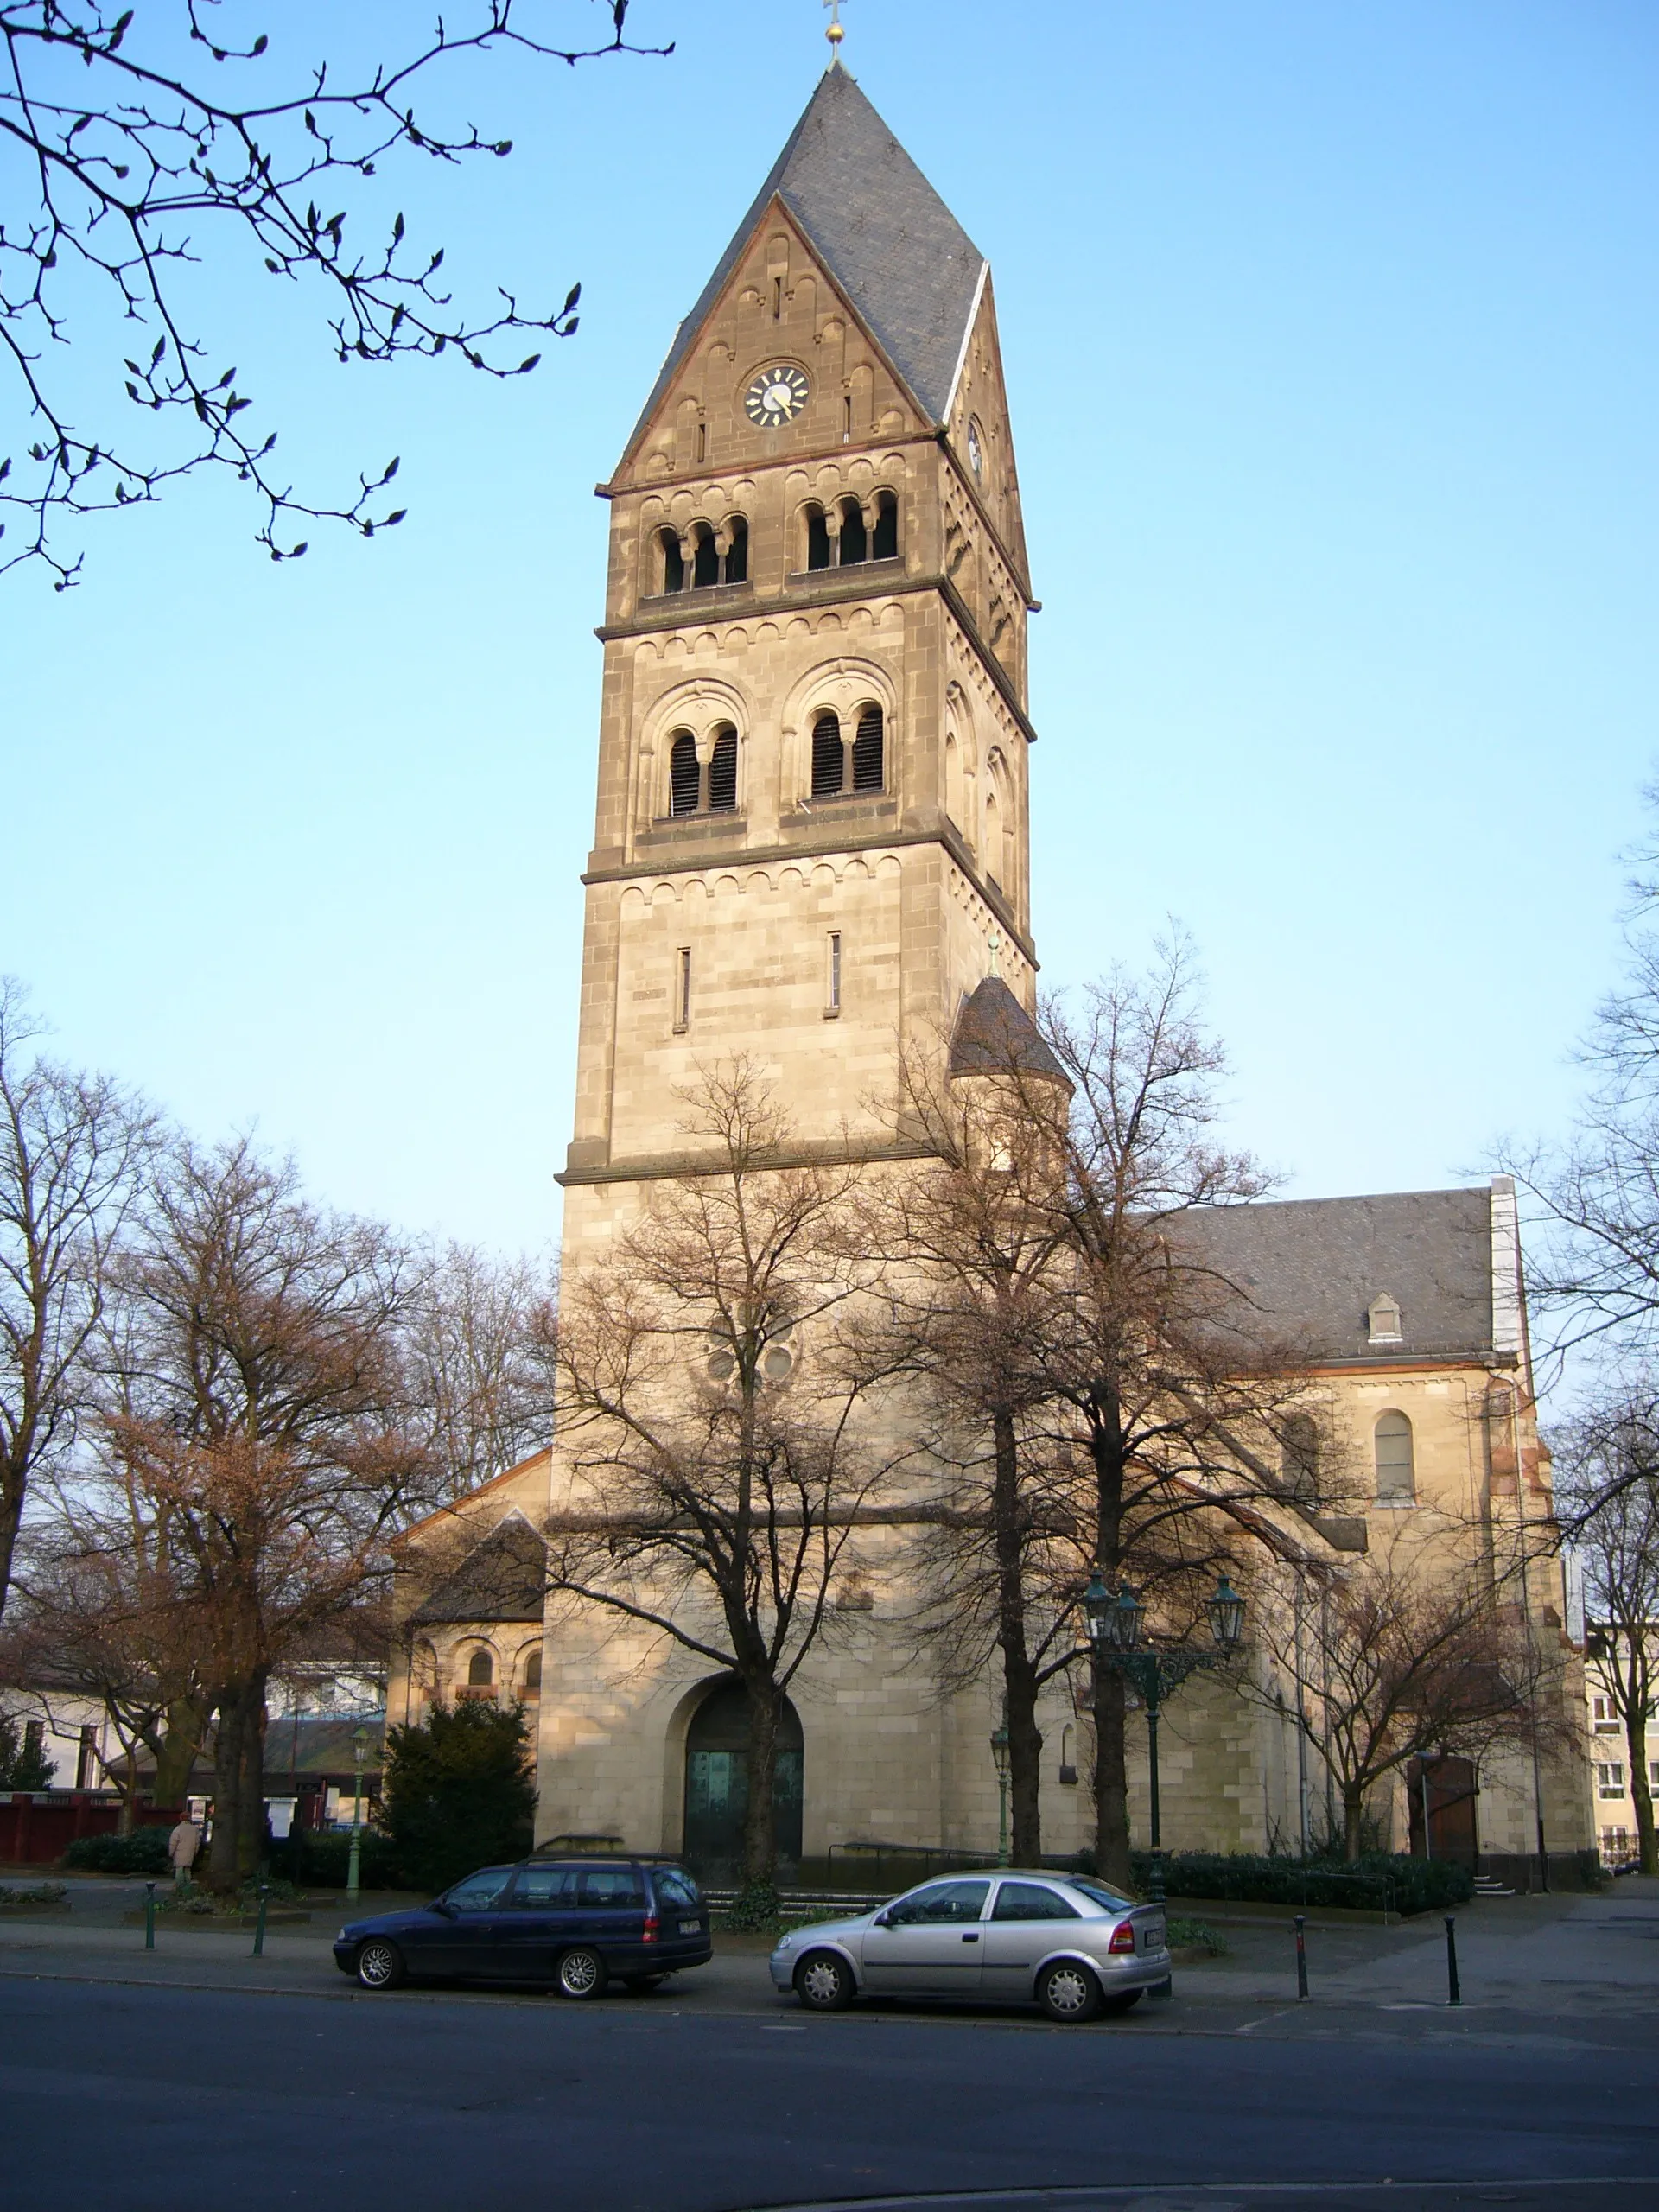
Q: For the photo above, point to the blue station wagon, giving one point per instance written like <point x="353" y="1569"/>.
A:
<point x="569" y="1924"/>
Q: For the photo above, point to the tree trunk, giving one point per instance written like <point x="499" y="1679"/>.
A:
<point x="1019" y="1676"/>
<point x="1353" y="1811"/>
<point x="186" y="1723"/>
<point x="239" y="1783"/>
<point x="1636" y="1744"/>
<point x="1112" y="1861"/>
<point x="13" y="1490"/>
<point x="760" y="1824"/>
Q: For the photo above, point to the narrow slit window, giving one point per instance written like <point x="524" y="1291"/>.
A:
<point x="817" y="539"/>
<point x="777" y="299"/>
<point x="854" y="541"/>
<point x="683" y="989"/>
<point x="722" y="772"/>
<point x="884" y="542"/>
<point x="673" y="561"/>
<point x="737" y="550"/>
<point x="829" y="757"/>
<point x="847" y="417"/>
<point x="703" y="442"/>
<point x="868" y="764"/>
<point x="682" y="774"/>
<point x="832" y="974"/>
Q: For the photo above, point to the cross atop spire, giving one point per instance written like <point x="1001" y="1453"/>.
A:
<point x="836" y="33"/>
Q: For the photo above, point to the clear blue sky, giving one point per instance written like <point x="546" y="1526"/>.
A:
<point x="1330" y="335"/>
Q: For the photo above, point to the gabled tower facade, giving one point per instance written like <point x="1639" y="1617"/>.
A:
<point x="811" y="819"/>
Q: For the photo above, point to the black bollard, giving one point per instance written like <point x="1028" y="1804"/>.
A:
<point x="259" y="1930"/>
<point x="149" y="1915"/>
<point x="1301" y="1954"/>
<point x="1455" y="1996"/>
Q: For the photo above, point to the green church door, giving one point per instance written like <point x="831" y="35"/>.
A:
<point x="717" y="1787"/>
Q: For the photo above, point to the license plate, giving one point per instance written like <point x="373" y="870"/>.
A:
<point x="1152" y="1938"/>
<point x="690" y="1928"/>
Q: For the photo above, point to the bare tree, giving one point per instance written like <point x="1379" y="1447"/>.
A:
<point x="72" y="1146"/>
<point x="474" y="1336"/>
<point x="970" y="1255"/>
<point x="144" y="141"/>
<point x="1411" y="1661"/>
<point x="706" y="1421"/>
<point x="1170" y="1387"/>
<point x="1610" y="1488"/>
<point x="258" y="1406"/>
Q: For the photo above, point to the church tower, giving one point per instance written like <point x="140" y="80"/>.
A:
<point x="810" y="840"/>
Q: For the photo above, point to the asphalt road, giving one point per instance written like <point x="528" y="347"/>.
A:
<point x="131" y="2098"/>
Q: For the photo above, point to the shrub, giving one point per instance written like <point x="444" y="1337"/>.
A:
<point x="143" y="1851"/>
<point x="321" y="1861"/>
<point x="37" y="1893"/>
<point x="458" y="1792"/>
<point x="1197" y="1935"/>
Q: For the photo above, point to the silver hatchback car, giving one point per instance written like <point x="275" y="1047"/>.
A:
<point x="1064" y="1942"/>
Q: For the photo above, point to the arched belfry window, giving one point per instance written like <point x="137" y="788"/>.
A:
<point x="705" y="560"/>
<point x="817" y="539"/>
<point x="849" y="758"/>
<point x="735" y="562"/>
<point x="683" y="774"/>
<point x="705" y="786"/>
<point x="884" y="539"/>
<point x="673" y="561"/>
<point x="1396" y="1472"/>
<point x="854" y="540"/>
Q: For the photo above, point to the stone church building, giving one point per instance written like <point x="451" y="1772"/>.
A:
<point x="811" y="843"/>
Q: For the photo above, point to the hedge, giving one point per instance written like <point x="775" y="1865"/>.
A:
<point x="319" y="1860"/>
<point x="1380" y="1878"/>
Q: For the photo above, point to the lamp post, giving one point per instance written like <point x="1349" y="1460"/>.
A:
<point x="1000" y="1755"/>
<point x="359" y="1754"/>
<point x="1114" y="1630"/>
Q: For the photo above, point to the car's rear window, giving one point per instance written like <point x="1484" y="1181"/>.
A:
<point x="611" y="1887"/>
<point x="1100" y="1893"/>
<point x="675" y="1887"/>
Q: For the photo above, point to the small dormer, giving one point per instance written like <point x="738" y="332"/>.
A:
<point x="1383" y="1320"/>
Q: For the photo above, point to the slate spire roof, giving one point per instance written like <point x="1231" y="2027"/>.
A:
<point x="884" y="234"/>
<point x="994" y="1035"/>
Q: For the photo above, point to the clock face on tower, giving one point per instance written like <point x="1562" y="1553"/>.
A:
<point x="776" y="397"/>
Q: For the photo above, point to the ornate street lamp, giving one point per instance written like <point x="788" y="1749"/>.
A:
<point x="1000" y="1756"/>
<point x="359" y="1755"/>
<point x="1115" y="1627"/>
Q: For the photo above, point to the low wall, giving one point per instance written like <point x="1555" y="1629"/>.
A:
<point x="37" y="1826"/>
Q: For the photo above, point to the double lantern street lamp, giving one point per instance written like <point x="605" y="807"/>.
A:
<point x="999" y="1757"/>
<point x="361" y="1740"/>
<point x="1114" y="1630"/>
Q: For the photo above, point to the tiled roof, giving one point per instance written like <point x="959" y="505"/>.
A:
<point x="885" y="235"/>
<point x="994" y="1035"/>
<point x="1312" y="1269"/>
<point x="503" y="1578"/>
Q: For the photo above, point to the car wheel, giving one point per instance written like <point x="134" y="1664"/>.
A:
<point x="379" y="1964"/>
<point x="582" y="1973"/>
<point x="1068" y="1992"/>
<point x="1125" y="2001"/>
<point x="638" y="1984"/>
<point x="825" y="1983"/>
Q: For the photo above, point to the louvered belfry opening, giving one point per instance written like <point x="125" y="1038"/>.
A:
<point x="682" y="774"/>
<point x="884" y="539"/>
<point x="868" y="767"/>
<point x="829" y="757"/>
<point x="722" y="772"/>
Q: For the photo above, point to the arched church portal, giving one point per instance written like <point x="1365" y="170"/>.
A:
<point x="717" y="1785"/>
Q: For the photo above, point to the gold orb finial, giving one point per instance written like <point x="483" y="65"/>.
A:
<point x="836" y="30"/>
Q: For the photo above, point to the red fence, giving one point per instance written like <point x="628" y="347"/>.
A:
<point x="37" y="1829"/>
